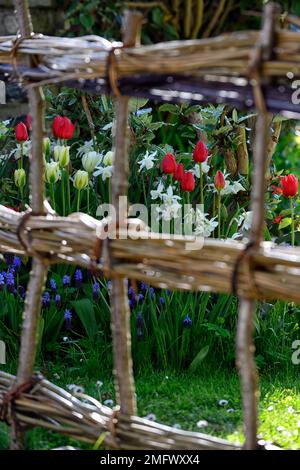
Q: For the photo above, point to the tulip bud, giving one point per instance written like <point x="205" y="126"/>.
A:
<point x="20" y="178"/>
<point x="46" y="146"/>
<point x="61" y="155"/>
<point x="63" y="128"/>
<point x="21" y="132"/>
<point x="169" y="164"/>
<point x="289" y="185"/>
<point x="179" y="172"/>
<point x="90" y="160"/>
<point x="188" y="181"/>
<point x="52" y="172"/>
<point x="219" y="181"/>
<point x="108" y="158"/>
<point x="81" y="179"/>
<point x="200" y="152"/>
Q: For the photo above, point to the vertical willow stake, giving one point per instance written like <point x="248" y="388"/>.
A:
<point x="39" y="268"/>
<point x="119" y="300"/>
<point x="245" y="345"/>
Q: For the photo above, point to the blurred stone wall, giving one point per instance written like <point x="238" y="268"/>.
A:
<point x="47" y="18"/>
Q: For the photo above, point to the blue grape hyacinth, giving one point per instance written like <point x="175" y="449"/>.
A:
<point x="46" y="299"/>
<point x="187" y="322"/>
<point x="78" y="278"/>
<point x="96" y="291"/>
<point x="68" y="319"/>
<point x="66" y="281"/>
<point x="53" y="286"/>
<point x="10" y="282"/>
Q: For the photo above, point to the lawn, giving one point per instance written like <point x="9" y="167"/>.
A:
<point x="209" y="397"/>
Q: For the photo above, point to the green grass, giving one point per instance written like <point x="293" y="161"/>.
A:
<point x="184" y="399"/>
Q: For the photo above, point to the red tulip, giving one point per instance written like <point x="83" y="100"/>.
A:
<point x="169" y="164"/>
<point x="290" y="185"/>
<point x="219" y="180"/>
<point x="179" y="172"/>
<point x="277" y="219"/>
<point x="28" y="122"/>
<point x="200" y="152"/>
<point x="188" y="181"/>
<point x="63" y="128"/>
<point x="21" y="132"/>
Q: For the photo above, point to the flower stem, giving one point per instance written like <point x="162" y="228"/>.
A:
<point x="293" y="221"/>
<point x="53" y="196"/>
<point x="68" y="191"/>
<point x="88" y="197"/>
<point x="201" y="185"/>
<point x="78" y="200"/>
<point x="63" y="192"/>
<point x="219" y="214"/>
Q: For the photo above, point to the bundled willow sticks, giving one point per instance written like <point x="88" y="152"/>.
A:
<point x="179" y="263"/>
<point x="87" y="420"/>
<point x="87" y="57"/>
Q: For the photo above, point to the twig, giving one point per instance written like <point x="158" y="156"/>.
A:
<point x="198" y="19"/>
<point x="187" y="18"/>
<point x="119" y="301"/>
<point x="39" y="268"/>
<point x="214" y="19"/>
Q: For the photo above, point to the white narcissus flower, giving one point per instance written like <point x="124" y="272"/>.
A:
<point x="17" y="151"/>
<point x="88" y="146"/>
<point x="108" y="158"/>
<point x="90" y="160"/>
<point x="147" y="161"/>
<point x="169" y="197"/>
<point x="196" y="170"/>
<point x="245" y="220"/>
<point x="203" y="225"/>
<point x="105" y="172"/>
<point x="157" y="193"/>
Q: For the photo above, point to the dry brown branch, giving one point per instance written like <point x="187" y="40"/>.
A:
<point x="247" y="306"/>
<point x="242" y="152"/>
<point x="187" y="18"/>
<point x="39" y="269"/>
<point x="214" y="19"/>
<point x="198" y="19"/>
<point x="119" y="302"/>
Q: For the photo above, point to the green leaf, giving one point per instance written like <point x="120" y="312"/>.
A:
<point x="170" y="108"/>
<point x="136" y="103"/>
<point x="285" y="223"/>
<point x="87" y="20"/>
<point x="199" y="358"/>
<point x="85" y="311"/>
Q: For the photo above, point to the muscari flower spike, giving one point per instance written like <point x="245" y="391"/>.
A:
<point x="66" y="281"/>
<point x="187" y="322"/>
<point x="68" y="319"/>
<point x="2" y="282"/>
<point x="46" y="300"/>
<point x="57" y="300"/>
<point x="96" y="291"/>
<point x="10" y="282"/>
<point x="78" y="278"/>
<point x="53" y="285"/>
<point x="16" y="264"/>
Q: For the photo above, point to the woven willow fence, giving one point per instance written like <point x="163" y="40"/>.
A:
<point x="245" y="68"/>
